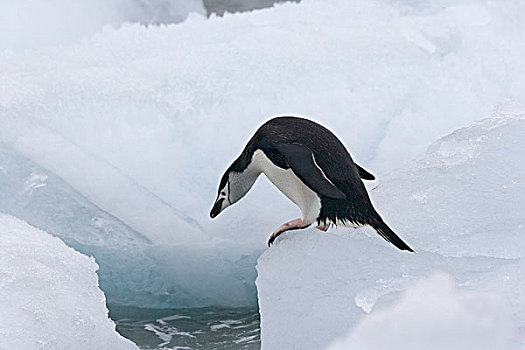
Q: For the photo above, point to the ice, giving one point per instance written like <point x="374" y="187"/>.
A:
<point x="49" y="294"/>
<point x="141" y="121"/>
<point x="133" y="270"/>
<point x="457" y="205"/>
<point x="48" y="202"/>
<point x="463" y="190"/>
<point x="433" y="314"/>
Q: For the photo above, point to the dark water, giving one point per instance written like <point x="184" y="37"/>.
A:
<point x="192" y="328"/>
<point x="219" y="7"/>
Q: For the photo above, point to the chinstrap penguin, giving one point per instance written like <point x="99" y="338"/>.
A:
<point x="309" y="165"/>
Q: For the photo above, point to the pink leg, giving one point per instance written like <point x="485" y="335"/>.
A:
<point x="322" y="228"/>
<point x="291" y="225"/>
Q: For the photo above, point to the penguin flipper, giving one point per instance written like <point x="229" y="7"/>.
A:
<point x="302" y="162"/>
<point x="363" y="174"/>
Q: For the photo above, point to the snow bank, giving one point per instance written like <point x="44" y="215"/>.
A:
<point x="49" y="294"/>
<point x="141" y="121"/>
<point x="433" y="314"/>
<point x="456" y="205"/>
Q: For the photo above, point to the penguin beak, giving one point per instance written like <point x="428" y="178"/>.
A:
<point x="216" y="208"/>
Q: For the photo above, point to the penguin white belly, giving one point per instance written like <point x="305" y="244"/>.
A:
<point x="290" y="185"/>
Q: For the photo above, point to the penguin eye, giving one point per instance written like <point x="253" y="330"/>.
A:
<point x="223" y="193"/>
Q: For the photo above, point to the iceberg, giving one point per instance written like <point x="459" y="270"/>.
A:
<point x="456" y="204"/>
<point x="49" y="294"/>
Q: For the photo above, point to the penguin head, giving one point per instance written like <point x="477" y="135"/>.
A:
<point x="233" y="186"/>
<point x="223" y="200"/>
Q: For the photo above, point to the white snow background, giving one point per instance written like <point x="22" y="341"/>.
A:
<point x="129" y="131"/>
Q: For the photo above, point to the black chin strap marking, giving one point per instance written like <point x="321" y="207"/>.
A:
<point x="229" y="201"/>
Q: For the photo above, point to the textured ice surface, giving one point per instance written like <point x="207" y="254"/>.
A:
<point x="459" y="206"/>
<point x="141" y="121"/>
<point x="49" y="294"/>
<point x="433" y="314"/>
<point x="463" y="196"/>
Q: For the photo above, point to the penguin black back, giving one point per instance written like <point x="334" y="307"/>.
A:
<point x="330" y="155"/>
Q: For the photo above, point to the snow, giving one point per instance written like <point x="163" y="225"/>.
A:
<point x="457" y="205"/>
<point x="140" y="122"/>
<point x="433" y="314"/>
<point x="49" y="294"/>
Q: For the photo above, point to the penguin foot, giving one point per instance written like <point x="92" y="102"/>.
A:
<point x="322" y="228"/>
<point x="296" y="224"/>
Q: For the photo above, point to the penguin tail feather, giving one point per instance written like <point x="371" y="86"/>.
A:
<point x="386" y="232"/>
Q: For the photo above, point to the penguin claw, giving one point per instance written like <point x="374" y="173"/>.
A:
<point x="273" y="236"/>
